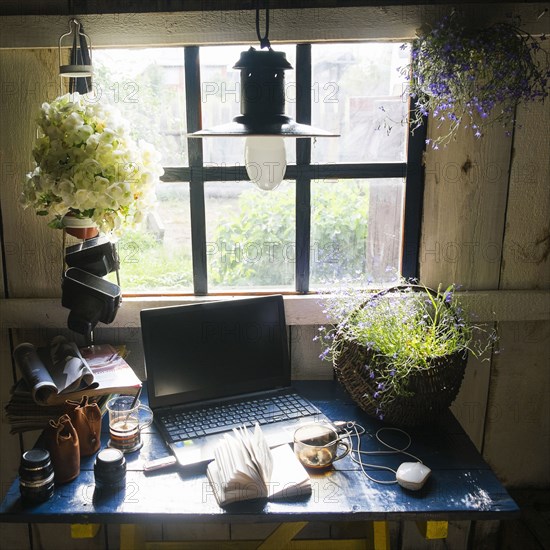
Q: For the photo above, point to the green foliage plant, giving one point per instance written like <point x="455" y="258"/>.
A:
<point x="338" y="231"/>
<point x="405" y="331"/>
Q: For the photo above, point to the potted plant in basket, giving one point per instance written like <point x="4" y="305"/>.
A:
<point x="400" y="353"/>
<point x="464" y="76"/>
<point x="88" y="171"/>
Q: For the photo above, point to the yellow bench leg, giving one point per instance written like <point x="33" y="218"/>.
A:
<point x="84" y="530"/>
<point x="381" y="535"/>
<point x="282" y="536"/>
<point x="131" y="537"/>
<point x="433" y="529"/>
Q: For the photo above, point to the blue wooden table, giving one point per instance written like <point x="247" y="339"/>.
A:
<point x="461" y="487"/>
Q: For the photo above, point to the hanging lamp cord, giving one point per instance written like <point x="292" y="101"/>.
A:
<point x="264" y="40"/>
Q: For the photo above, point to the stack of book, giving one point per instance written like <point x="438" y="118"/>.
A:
<point x="51" y="376"/>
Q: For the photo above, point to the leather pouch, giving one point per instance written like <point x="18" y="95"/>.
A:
<point x="62" y="442"/>
<point x="86" y="419"/>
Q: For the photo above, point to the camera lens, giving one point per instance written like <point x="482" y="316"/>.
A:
<point x="110" y="469"/>
<point x="36" y="478"/>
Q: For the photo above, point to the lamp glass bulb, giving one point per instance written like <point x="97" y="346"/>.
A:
<point x="265" y="161"/>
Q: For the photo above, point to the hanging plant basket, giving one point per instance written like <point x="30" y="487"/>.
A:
<point x="468" y="77"/>
<point x="428" y="389"/>
<point x="433" y="390"/>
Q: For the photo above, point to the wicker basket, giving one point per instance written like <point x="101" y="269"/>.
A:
<point x="433" y="389"/>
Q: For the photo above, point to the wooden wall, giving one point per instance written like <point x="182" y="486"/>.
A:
<point x="485" y="226"/>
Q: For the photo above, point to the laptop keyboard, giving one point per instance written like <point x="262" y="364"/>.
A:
<point x="191" y="423"/>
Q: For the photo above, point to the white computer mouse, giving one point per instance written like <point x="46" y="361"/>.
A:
<point x="412" y="475"/>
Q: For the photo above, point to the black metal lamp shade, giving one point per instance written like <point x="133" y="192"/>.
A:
<point x="262" y="101"/>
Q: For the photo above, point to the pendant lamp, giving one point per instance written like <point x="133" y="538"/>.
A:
<point x="262" y="120"/>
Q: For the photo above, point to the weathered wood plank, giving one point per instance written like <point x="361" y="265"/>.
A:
<point x="260" y="531"/>
<point x="195" y="531"/>
<point x="486" y="535"/>
<point x="470" y="406"/>
<point x="51" y="536"/>
<point x="457" y="537"/>
<point x="304" y="354"/>
<point x="32" y="250"/>
<point x="132" y="537"/>
<point x="13" y="536"/>
<point x="517" y="433"/>
<point x="526" y="247"/>
<point x="465" y="193"/>
<point x="383" y="247"/>
<point x="207" y="27"/>
<point x="535" y="514"/>
<point x="489" y="306"/>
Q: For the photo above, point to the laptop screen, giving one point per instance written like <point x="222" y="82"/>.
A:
<point x="215" y="349"/>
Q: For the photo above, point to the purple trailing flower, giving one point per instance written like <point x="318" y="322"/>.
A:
<point x="398" y="332"/>
<point x="465" y="76"/>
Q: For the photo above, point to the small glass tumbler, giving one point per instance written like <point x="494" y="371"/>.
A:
<point x="126" y="423"/>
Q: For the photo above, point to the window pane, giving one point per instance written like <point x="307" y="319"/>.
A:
<point x="221" y="101"/>
<point x="250" y="236"/>
<point x="357" y="92"/>
<point x="157" y="257"/>
<point x="356" y="229"/>
<point x="148" y="87"/>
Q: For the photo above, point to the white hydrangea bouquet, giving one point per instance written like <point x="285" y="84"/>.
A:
<point x="88" y="166"/>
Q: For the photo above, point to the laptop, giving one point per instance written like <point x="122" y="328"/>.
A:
<point x="229" y="358"/>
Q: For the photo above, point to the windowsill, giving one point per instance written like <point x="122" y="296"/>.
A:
<point x="488" y="305"/>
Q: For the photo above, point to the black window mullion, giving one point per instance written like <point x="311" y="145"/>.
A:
<point x="303" y="158"/>
<point x="311" y="171"/>
<point x="196" y="178"/>
<point x="414" y="196"/>
<point x="303" y="173"/>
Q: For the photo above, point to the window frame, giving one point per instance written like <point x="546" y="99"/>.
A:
<point x="303" y="172"/>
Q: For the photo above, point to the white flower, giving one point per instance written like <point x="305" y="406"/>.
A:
<point x="66" y="190"/>
<point x="87" y="161"/>
<point x="72" y="122"/>
<point x="84" y="199"/>
<point x="60" y="209"/>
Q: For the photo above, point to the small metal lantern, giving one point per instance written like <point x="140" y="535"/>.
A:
<point x="80" y="68"/>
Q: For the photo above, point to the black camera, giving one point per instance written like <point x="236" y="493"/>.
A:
<point x="90" y="298"/>
<point x="97" y="256"/>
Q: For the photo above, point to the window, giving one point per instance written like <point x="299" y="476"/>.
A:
<point x="348" y="205"/>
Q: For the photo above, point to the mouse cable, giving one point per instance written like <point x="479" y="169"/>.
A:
<point x="354" y="429"/>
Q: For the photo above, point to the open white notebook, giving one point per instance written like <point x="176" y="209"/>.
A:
<point x="246" y="468"/>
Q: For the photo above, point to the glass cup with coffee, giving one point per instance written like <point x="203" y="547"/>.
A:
<point x="126" y="422"/>
<point x="316" y="445"/>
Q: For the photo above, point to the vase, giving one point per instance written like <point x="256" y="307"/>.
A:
<point x="81" y="228"/>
